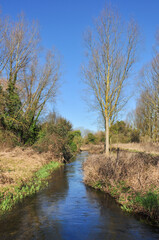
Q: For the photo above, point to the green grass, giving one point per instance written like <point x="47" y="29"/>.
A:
<point x="126" y="208"/>
<point x="9" y="198"/>
<point x="149" y="201"/>
<point x="97" y="185"/>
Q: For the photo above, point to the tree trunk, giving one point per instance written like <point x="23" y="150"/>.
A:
<point x="107" y="136"/>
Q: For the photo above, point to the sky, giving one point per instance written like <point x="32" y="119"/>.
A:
<point x="62" y="24"/>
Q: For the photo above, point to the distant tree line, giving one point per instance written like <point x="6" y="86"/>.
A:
<point x="147" y="110"/>
<point x="120" y="132"/>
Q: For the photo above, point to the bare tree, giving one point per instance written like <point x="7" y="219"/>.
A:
<point x="39" y="84"/>
<point x="144" y="115"/>
<point x="18" y="45"/>
<point x="29" y="84"/>
<point x="150" y="95"/>
<point x="111" y="50"/>
<point x="20" y="42"/>
<point x="3" y="53"/>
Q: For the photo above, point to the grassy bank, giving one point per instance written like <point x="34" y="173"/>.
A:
<point x="150" y="148"/>
<point x="132" y="179"/>
<point x="23" y="173"/>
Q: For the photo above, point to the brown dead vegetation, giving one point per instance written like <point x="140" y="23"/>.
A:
<point x="20" y="164"/>
<point x="139" y="172"/>
<point x="93" y="148"/>
<point x="152" y="148"/>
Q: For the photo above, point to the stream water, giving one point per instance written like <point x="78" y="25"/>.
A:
<point x="68" y="210"/>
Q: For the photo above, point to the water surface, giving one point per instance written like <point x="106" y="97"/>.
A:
<point x="68" y="210"/>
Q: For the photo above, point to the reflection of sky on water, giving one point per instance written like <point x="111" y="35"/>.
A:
<point x="67" y="210"/>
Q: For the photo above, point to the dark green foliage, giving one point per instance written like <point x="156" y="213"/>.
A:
<point x="30" y="136"/>
<point x="73" y="147"/>
<point x="119" y="127"/>
<point x="75" y="140"/>
<point x="120" y="132"/>
<point x="56" y="135"/>
<point x="135" y="135"/>
<point x="13" y="103"/>
<point x="10" y="110"/>
<point x="91" y="138"/>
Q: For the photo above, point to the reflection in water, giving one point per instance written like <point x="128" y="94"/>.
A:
<point x="67" y="210"/>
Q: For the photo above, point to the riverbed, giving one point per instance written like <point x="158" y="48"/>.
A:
<point x="68" y="210"/>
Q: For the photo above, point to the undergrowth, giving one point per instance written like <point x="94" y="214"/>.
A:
<point x="132" y="179"/>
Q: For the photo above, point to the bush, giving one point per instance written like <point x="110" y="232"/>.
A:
<point x="56" y="135"/>
<point x="8" y="139"/>
<point x="135" y="136"/>
<point x="91" y="138"/>
<point x="75" y="140"/>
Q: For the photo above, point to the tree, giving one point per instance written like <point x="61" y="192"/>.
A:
<point x="144" y="115"/>
<point x="55" y="136"/>
<point x="39" y="85"/>
<point x="19" y="41"/>
<point x="111" y="51"/>
<point x="147" y="112"/>
<point x="29" y="84"/>
<point x="91" y="138"/>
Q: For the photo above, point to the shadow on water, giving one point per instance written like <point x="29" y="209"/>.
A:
<point x="68" y="210"/>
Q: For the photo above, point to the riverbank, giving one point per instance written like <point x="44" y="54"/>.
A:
<point x="131" y="178"/>
<point x="149" y="148"/>
<point x="22" y="173"/>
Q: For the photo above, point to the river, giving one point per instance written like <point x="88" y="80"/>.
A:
<point x="68" y="210"/>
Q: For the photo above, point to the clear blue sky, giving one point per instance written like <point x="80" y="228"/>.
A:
<point x="62" y="24"/>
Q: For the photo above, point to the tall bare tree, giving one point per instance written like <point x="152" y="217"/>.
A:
<point x="111" y="49"/>
<point x="150" y="95"/>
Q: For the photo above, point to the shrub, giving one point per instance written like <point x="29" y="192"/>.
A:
<point x="91" y="138"/>
<point x="135" y="136"/>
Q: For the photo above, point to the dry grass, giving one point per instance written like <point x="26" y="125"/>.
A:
<point x="131" y="173"/>
<point x="138" y="170"/>
<point x="93" y="149"/>
<point x="152" y="148"/>
<point x="18" y="165"/>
